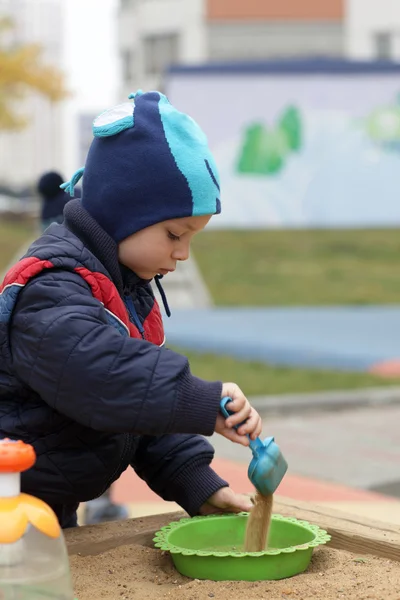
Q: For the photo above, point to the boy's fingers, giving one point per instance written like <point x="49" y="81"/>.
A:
<point x="241" y="504"/>
<point x="252" y="426"/>
<point x="233" y="436"/>
<point x="239" y="417"/>
<point x="237" y="403"/>
<point x="257" y="431"/>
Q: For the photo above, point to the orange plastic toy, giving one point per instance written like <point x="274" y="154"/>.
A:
<point x="16" y="509"/>
<point x="16" y="457"/>
<point x="33" y="555"/>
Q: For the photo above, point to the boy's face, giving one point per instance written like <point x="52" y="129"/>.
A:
<point x="155" y="250"/>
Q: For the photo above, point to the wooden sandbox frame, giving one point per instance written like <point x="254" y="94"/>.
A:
<point x="359" y="535"/>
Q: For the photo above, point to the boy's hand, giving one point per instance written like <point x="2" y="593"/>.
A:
<point x="226" y="501"/>
<point x="243" y="412"/>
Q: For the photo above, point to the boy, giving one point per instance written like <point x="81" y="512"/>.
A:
<point x="83" y="375"/>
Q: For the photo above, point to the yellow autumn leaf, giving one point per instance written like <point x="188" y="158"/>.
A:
<point x="22" y="71"/>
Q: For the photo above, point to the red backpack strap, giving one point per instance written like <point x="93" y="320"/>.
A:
<point x="24" y="270"/>
<point x="105" y="292"/>
<point x="102" y="289"/>
<point x="153" y="326"/>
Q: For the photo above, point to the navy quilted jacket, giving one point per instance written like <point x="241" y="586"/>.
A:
<point x="84" y="380"/>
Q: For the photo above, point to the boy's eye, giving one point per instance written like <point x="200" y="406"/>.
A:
<point x="172" y="236"/>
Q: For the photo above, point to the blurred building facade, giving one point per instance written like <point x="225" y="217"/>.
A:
<point x="26" y="154"/>
<point x="156" y="33"/>
<point x="373" y="29"/>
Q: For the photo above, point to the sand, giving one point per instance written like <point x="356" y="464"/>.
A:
<point x="258" y="523"/>
<point x="124" y="566"/>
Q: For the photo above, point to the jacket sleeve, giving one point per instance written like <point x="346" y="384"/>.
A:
<point x="177" y="468"/>
<point x="64" y="349"/>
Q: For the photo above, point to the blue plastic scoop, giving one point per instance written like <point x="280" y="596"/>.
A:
<point x="268" y="466"/>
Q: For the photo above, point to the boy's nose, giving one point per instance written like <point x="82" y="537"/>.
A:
<point x="181" y="253"/>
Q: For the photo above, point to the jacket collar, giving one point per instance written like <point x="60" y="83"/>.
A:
<point x="100" y="244"/>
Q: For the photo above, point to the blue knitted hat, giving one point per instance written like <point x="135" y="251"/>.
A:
<point x="147" y="163"/>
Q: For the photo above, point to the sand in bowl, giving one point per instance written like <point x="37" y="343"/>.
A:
<point x="258" y="524"/>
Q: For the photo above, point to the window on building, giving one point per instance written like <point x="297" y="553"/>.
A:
<point x="128" y="65"/>
<point x="160" y="51"/>
<point x="384" y="45"/>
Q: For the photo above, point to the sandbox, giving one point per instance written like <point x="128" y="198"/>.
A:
<point x="118" y="561"/>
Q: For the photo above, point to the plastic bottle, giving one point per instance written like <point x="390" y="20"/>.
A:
<point x="33" y="556"/>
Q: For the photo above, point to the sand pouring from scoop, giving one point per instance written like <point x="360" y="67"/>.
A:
<point x="258" y="524"/>
<point x="266" y="470"/>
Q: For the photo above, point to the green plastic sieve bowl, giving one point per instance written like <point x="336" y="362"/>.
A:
<point x="211" y="547"/>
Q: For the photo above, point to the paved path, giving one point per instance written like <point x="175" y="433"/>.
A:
<point x="134" y="493"/>
<point x="349" y="338"/>
<point x="338" y="459"/>
<point x="357" y="448"/>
